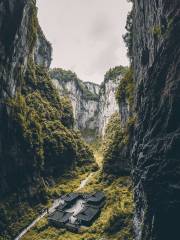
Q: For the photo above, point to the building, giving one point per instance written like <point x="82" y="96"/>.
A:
<point x="71" y="197"/>
<point x="96" y="199"/>
<point x="88" y="215"/>
<point x="73" y="227"/>
<point x="59" y="218"/>
<point x="62" y="206"/>
<point x="77" y="209"/>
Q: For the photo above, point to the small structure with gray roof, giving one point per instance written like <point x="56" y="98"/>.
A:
<point x="77" y="209"/>
<point x="96" y="199"/>
<point x="59" y="218"/>
<point x="88" y="215"/>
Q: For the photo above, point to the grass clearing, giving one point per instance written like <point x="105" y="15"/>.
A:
<point x="115" y="221"/>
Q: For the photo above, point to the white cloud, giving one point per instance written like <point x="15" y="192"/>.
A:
<point x="86" y="35"/>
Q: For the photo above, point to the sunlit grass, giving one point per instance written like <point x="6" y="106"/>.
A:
<point x="115" y="221"/>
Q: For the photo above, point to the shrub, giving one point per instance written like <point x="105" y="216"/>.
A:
<point x="125" y="90"/>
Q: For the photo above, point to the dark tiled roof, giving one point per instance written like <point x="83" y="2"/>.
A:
<point x="60" y="216"/>
<point x="72" y="226"/>
<point x="92" y="207"/>
<point x="62" y="206"/>
<point x="96" y="197"/>
<point x="88" y="213"/>
<point x="70" y="197"/>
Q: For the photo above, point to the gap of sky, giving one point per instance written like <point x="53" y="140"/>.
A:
<point x="86" y="35"/>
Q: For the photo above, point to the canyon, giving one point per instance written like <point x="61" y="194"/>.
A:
<point x="93" y="104"/>
<point x="135" y="112"/>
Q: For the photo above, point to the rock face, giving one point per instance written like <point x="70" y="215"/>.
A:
<point x="93" y="104"/>
<point x="107" y="102"/>
<point x="156" y="155"/>
<point x="14" y="49"/>
<point x="84" y="98"/>
<point x="42" y="50"/>
<point x="17" y="43"/>
<point x="30" y="106"/>
<point x="13" y="43"/>
<point x="37" y="140"/>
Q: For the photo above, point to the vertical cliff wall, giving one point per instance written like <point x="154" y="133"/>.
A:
<point x="93" y="105"/>
<point x="107" y="102"/>
<point x="33" y="118"/>
<point x="84" y="98"/>
<point x="37" y="140"/>
<point x="156" y="155"/>
<point x="42" y="49"/>
<point x="15" y="47"/>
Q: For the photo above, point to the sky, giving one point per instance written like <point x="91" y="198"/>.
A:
<point x="86" y="35"/>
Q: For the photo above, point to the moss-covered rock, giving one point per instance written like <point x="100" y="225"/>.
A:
<point x="114" y="145"/>
<point x="125" y="90"/>
<point x="113" y="73"/>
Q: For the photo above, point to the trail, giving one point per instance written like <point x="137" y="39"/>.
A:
<point x="53" y="207"/>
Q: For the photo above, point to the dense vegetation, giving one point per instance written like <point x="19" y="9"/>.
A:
<point x="65" y="76"/>
<point x="114" y="145"/>
<point x="39" y="141"/>
<point x="115" y="72"/>
<point x="112" y="75"/>
<point x="125" y="90"/>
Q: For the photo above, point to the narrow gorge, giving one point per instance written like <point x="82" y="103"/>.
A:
<point x="60" y="134"/>
<point x="93" y="104"/>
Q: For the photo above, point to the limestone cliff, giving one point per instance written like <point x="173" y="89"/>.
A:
<point x="107" y="102"/>
<point x="155" y="156"/>
<point x="118" y="139"/>
<point x="42" y="50"/>
<point x="93" y="104"/>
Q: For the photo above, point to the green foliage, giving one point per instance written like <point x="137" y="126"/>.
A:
<point x="28" y="131"/>
<point x="113" y="73"/>
<point x="67" y="109"/>
<point x="156" y="30"/>
<point x="115" y="140"/>
<point x="170" y="23"/>
<point x="125" y="89"/>
<point x="115" y="146"/>
<point x="32" y="26"/>
<point x="44" y="123"/>
<point x="15" y="216"/>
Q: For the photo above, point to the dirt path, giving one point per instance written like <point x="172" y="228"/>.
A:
<point x="53" y="208"/>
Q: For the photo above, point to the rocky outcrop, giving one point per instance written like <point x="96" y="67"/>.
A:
<point x="155" y="155"/>
<point x="84" y="98"/>
<point x="118" y="139"/>
<point x="93" y="105"/>
<point x="107" y="102"/>
<point x="14" y="50"/>
<point x="42" y="50"/>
